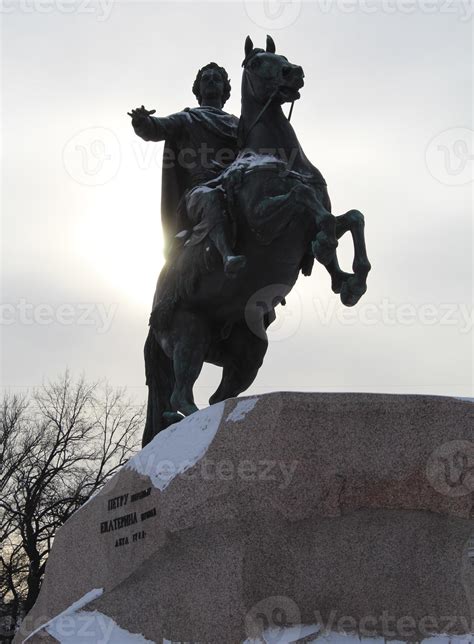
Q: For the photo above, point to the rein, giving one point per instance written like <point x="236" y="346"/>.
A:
<point x="291" y="111"/>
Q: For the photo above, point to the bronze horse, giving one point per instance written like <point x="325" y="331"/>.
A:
<point x="280" y="208"/>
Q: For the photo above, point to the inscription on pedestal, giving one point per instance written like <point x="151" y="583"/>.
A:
<point x="128" y="519"/>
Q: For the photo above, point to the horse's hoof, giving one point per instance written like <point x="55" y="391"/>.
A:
<point x="171" y="417"/>
<point x="324" y="248"/>
<point x="338" y="281"/>
<point x="351" y="291"/>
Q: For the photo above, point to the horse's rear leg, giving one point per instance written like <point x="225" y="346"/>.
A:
<point x="190" y="347"/>
<point x="160" y="381"/>
<point x="244" y="353"/>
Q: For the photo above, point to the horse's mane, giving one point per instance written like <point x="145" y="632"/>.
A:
<point x="250" y="55"/>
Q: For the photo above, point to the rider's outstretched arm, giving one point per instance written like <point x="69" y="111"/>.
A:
<point x="153" y="128"/>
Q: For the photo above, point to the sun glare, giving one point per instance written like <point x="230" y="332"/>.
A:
<point x="125" y="248"/>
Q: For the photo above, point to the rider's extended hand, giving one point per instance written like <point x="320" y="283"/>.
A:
<point x="140" y="113"/>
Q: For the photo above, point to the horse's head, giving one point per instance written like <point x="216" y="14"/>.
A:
<point x="269" y="75"/>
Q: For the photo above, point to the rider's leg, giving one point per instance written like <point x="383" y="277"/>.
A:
<point x="207" y="208"/>
<point x="218" y="235"/>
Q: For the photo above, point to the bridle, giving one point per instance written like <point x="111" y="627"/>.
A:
<point x="264" y="108"/>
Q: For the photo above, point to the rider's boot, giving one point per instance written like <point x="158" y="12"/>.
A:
<point x="232" y="263"/>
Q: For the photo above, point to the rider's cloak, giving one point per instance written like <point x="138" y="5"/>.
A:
<point x="198" y="136"/>
<point x="197" y="140"/>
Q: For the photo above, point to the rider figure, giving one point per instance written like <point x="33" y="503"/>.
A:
<point x="199" y="143"/>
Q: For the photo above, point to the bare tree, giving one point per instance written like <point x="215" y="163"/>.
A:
<point x="57" y="449"/>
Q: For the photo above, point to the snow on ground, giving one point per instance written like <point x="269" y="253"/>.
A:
<point x="83" y="627"/>
<point x="241" y="409"/>
<point x="179" y="447"/>
<point x="77" y="605"/>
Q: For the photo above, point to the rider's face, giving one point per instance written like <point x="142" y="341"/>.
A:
<point x="212" y="85"/>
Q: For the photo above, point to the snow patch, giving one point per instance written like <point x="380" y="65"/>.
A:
<point x="179" y="447"/>
<point x="84" y="627"/>
<point x="287" y="635"/>
<point x="92" y="496"/>
<point x="294" y="634"/>
<point x="77" y="605"/>
<point x="241" y="409"/>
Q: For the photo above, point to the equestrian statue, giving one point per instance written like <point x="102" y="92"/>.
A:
<point x="244" y="212"/>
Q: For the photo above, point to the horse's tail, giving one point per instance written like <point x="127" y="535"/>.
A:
<point x="160" y="381"/>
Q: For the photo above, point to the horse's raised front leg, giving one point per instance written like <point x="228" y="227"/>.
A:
<point x="304" y="199"/>
<point x="325" y="244"/>
<point x="351" y="286"/>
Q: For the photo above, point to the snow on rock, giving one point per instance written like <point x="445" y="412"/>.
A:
<point x="285" y="635"/>
<point x="84" y="627"/>
<point x="241" y="409"/>
<point x="294" y="634"/>
<point x="178" y="447"/>
<point x="77" y="605"/>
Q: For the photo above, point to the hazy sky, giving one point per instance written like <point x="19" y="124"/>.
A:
<point x="385" y="115"/>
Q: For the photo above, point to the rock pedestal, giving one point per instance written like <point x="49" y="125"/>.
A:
<point x="288" y="517"/>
